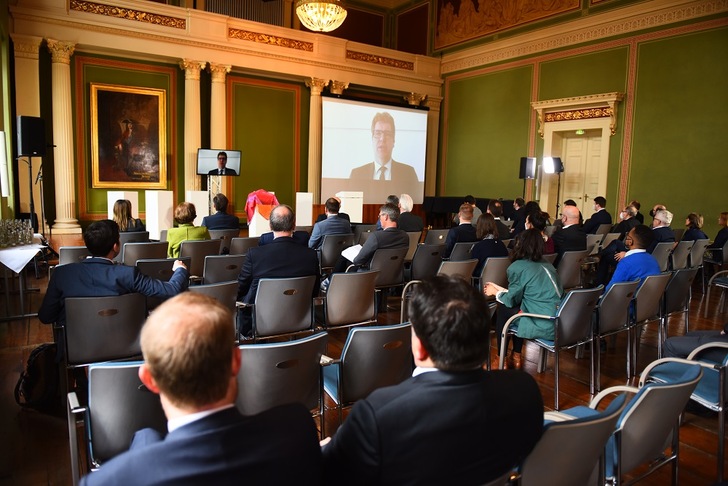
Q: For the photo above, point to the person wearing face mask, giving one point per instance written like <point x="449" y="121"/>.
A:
<point x="600" y="216"/>
<point x="627" y="221"/>
<point x="636" y="263"/>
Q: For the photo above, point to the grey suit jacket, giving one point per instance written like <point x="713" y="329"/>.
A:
<point x="333" y="225"/>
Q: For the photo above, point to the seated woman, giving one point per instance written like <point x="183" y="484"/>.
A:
<point x="123" y="217"/>
<point x="694" y="223"/>
<point x="533" y="286"/>
<point x="184" y="215"/>
<point x="488" y="244"/>
<point x="538" y="220"/>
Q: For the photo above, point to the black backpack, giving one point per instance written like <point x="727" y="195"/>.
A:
<point x="38" y="386"/>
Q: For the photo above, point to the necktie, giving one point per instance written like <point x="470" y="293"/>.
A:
<point x="382" y="173"/>
<point x="219" y="171"/>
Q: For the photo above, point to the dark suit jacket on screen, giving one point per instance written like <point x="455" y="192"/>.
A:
<point x="438" y="428"/>
<point x="278" y="446"/>
<point x="226" y="171"/>
<point x="221" y="220"/>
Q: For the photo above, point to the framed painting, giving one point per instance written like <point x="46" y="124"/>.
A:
<point x="128" y="137"/>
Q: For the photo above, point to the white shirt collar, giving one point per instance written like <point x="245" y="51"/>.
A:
<point x="388" y="172"/>
<point x="636" y="250"/>
<point x="420" y="370"/>
<point x="176" y="423"/>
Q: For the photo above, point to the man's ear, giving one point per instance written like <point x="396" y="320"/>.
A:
<point x="418" y="349"/>
<point x="146" y="378"/>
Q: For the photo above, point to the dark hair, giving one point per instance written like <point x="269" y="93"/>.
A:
<point x="538" y="220"/>
<point x="450" y="318"/>
<point x="569" y="202"/>
<point x="101" y="236"/>
<point x="529" y="246"/>
<point x="223" y="154"/>
<point x="519" y="201"/>
<point x="495" y="207"/>
<point x="642" y="236"/>
<point x="636" y="204"/>
<point x="469" y="199"/>
<point x="393" y="199"/>
<point x="332" y="205"/>
<point x="601" y="201"/>
<point x="531" y="206"/>
<point x="486" y="226"/>
<point x="282" y="218"/>
<point x="695" y="220"/>
<point x="220" y="201"/>
<point x="391" y="210"/>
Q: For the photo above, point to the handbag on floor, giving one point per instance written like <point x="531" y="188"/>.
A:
<point x="38" y="387"/>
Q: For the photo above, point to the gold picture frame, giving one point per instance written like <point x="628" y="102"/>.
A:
<point x="128" y="137"/>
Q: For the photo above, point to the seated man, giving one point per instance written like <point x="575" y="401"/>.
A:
<point x="332" y="225"/>
<point x="495" y="208"/>
<point x="407" y="220"/>
<point x="390" y="237"/>
<point x="682" y="346"/>
<point x="221" y="219"/>
<point x="600" y="216"/>
<point x="661" y="229"/>
<point x="322" y="216"/>
<point x="469" y="199"/>
<point x="570" y="236"/>
<point x="452" y="422"/>
<point x="191" y="361"/>
<point x="636" y="263"/>
<point x="463" y="232"/>
<point x="627" y="221"/>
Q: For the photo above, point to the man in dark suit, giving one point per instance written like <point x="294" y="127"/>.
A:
<point x="408" y="221"/>
<point x="570" y="237"/>
<point x="461" y="424"/>
<point x="463" y="232"/>
<point x="221" y="219"/>
<point x="332" y="225"/>
<point x="282" y="258"/>
<point x="300" y="236"/>
<point x="99" y="276"/>
<point x="661" y="229"/>
<point x="221" y="169"/>
<point x="600" y="217"/>
<point x="495" y="207"/>
<point x="519" y="219"/>
<point x="191" y="362"/>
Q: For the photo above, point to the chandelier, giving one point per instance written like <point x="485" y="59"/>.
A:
<point x="321" y="15"/>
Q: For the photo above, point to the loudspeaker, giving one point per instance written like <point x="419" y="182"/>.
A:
<point x="528" y="168"/>
<point x="31" y="136"/>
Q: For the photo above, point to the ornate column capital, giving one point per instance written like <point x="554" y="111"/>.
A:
<point x="338" y="87"/>
<point x="316" y="85"/>
<point x="26" y="46"/>
<point x="192" y="68"/>
<point x="61" y="51"/>
<point x="433" y="102"/>
<point x="414" y="99"/>
<point x="219" y="71"/>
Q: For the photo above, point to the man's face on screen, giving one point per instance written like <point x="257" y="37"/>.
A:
<point x="383" y="141"/>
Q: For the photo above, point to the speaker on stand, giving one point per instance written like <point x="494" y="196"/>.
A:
<point x="527" y="171"/>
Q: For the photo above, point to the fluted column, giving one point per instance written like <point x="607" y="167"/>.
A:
<point x="65" y="222"/>
<point x="218" y="115"/>
<point x="27" y="103"/>
<point x="433" y="128"/>
<point x="193" y="137"/>
<point x="314" y="137"/>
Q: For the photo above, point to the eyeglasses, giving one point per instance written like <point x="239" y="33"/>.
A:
<point x="378" y="134"/>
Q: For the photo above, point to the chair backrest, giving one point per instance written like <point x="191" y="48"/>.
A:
<point x="550" y="257"/>
<point x="496" y="270"/>
<point x="696" y="253"/>
<point x="350" y="299"/>
<point x="550" y="230"/>
<point x="225" y="292"/>
<point x="390" y="264"/>
<point x="240" y="246"/>
<point x="283" y="305"/>
<point x="574" y="317"/>
<point x="426" y="261"/>
<point x="678" y="232"/>
<point x="359" y="229"/>
<point x="197" y="250"/>
<point x="331" y="248"/>
<point x="159" y="268"/>
<point x="648" y="296"/>
<point x="436" y="236"/>
<point x="226" y="235"/>
<point x="72" y="254"/>
<point x="163" y="235"/>
<point x="681" y="253"/>
<point x="144" y="251"/>
<point x="414" y="240"/>
<point x="461" y="251"/>
<point x="592" y="243"/>
<point x="567" y="452"/>
<point x="118" y="406"/>
<point x="222" y="268"/>
<point x="603" y="229"/>
<point x="103" y="328"/>
<point x="662" y="254"/>
<point x="569" y="268"/>
<point x="613" y="309"/>
<point x="677" y="292"/>
<point x="462" y="268"/>
<point x="130" y="237"/>
<point x="307" y="229"/>
<point x="374" y="357"/>
<point x="610" y="237"/>
<point x="279" y="373"/>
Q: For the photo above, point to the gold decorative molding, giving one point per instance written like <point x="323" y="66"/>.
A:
<point x="338" y="87"/>
<point x="381" y="60"/>
<point x="316" y="85"/>
<point x="219" y="71"/>
<point x="26" y="46"/>
<point x="61" y="52"/>
<point x="433" y="102"/>
<point x="192" y="69"/>
<point x="128" y="14"/>
<point x="578" y="108"/>
<point x="270" y="40"/>
<point x="414" y="99"/>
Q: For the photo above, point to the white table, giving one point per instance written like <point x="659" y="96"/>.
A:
<point x="15" y="258"/>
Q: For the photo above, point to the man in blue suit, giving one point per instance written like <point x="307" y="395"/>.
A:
<point x="221" y="219"/>
<point x="332" y="225"/>
<point x="192" y="363"/>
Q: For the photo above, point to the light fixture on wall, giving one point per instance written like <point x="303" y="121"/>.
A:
<point x="321" y="15"/>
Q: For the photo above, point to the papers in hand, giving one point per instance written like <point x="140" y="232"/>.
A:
<point x="351" y="252"/>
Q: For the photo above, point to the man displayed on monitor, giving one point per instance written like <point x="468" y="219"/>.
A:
<point x="221" y="169"/>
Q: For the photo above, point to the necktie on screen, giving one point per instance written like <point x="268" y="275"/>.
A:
<point x="382" y="173"/>
<point x="219" y="171"/>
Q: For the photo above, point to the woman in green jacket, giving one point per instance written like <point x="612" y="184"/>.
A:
<point x="184" y="214"/>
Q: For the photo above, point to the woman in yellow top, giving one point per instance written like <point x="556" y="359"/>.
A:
<point x="184" y="215"/>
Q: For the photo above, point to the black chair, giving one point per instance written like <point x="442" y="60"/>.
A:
<point x="222" y="268"/>
<point x="425" y="262"/>
<point x="130" y="237"/>
<point x="240" y="246"/>
<point x="226" y="235"/>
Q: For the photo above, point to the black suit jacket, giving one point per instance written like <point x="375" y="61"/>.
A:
<point x="623" y="227"/>
<point x="438" y="428"/>
<point x="278" y="446"/>
<point x="568" y="239"/>
<point x="410" y="222"/>
<point x="299" y="236"/>
<point x="663" y="233"/>
<point x="462" y="233"/>
<point x="504" y="232"/>
<point x="221" y="220"/>
<point x="591" y="225"/>
<point x="519" y="222"/>
<point x="226" y="171"/>
<point x="322" y="216"/>
<point x="281" y="258"/>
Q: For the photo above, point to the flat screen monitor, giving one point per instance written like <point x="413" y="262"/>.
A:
<point x="228" y="163"/>
<point x="359" y="137"/>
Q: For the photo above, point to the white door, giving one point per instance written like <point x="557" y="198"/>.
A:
<point x="581" y="156"/>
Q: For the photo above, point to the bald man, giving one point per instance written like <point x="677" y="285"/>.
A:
<point x="570" y="237"/>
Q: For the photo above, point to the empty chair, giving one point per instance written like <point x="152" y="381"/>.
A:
<point x="143" y="251"/>
<point x="372" y="357"/>
<point x="390" y="264"/>
<point x="569" y="268"/>
<point x="161" y="269"/>
<point x="677" y="296"/>
<point x="414" y="240"/>
<point x="222" y="268"/>
<point x="592" y="243"/>
<point x="461" y="251"/>
<point x="226" y="235"/>
<point x="695" y="259"/>
<point x="463" y="269"/>
<point x="719" y="280"/>
<point x="717" y="257"/>
<point x="495" y="270"/>
<point x="678" y="232"/>
<point x="118" y="405"/>
<point x="72" y="254"/>
<point x="307" y="229"/>
<point x="283" y="306"/>
<point x="197" y="250"/>
<point x="680" y="254"/>
<point x="240" y="246"/>
<point x="436" y="236"/>
<point x="331" y="248"/>
<point x="647" y="308"/>
<point x="662" y="254"/>
<point x="225" y="292"/>
<point x="350" y="300"/>
<point x="278" y="373"/>
<point x="130" y="237"/>
<point x="426" y="261"/>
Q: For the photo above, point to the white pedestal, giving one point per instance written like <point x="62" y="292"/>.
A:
<point x="304" y="209"/>
<point x="352" y="203"/>
<point x="261" y="220"/>
<point x="201" y="202"/>
<point x="160" y="212"/>
<point x="132" y="196"/>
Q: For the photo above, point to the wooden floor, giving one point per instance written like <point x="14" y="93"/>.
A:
<point x="34" y="447"/>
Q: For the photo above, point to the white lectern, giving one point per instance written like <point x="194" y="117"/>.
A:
<point x="201" y="200"/>
<point x="160" y="212"/>
<point x="132" y="196"/>
<point x="304" y="209"/>
<point x="352" y="203"/>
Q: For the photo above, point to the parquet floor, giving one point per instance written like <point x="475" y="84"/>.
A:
<point x="34" y="447"/>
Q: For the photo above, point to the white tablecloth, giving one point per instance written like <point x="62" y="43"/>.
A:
<point x="17" y="257"/>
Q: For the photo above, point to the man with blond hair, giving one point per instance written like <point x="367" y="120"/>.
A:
<point x="192" y="362"/>
<point x="464" y="232"/>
